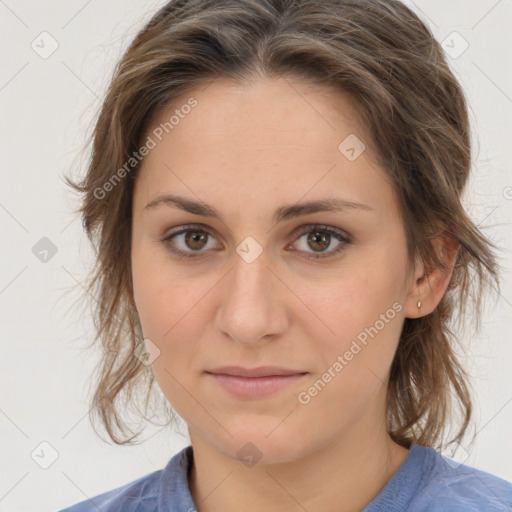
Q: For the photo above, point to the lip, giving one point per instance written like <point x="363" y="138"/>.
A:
<point x="253" y="383"/>
<point x="261" y="371"/>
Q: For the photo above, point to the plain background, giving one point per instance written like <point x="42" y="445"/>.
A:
<point x="46" y="106"/>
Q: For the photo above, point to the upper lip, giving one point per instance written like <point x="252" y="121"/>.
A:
<point x="262" y="371"/>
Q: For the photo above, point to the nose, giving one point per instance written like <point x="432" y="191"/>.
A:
<point x="253" y="303"/>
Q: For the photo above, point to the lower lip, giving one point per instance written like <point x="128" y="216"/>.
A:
<point x="255" y="387"/>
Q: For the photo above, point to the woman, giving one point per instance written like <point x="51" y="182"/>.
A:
<point x="274" y="192"/>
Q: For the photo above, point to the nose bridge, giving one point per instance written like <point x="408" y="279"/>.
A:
<point x="248" y="306"/>
<point x="249" y="274"/>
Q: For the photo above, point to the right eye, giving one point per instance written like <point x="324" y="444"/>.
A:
<point x="195" y="239"/>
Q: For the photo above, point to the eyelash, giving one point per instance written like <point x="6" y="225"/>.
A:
<point x="345" y="239"/>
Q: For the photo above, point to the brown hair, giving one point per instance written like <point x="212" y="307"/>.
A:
<point x="387" y="60"/>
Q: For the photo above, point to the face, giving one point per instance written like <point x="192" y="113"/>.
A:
<point x="319" y="294"/>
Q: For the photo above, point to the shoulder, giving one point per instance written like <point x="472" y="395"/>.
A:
<point x="164" y="489"/>
<point x="451" y="486"/>
<point x="137" y="496"/>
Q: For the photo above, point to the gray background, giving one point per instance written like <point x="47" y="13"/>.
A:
<point x="46" y="106"/>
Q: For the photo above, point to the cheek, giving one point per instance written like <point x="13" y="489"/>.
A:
<point x="165" y="312"/>
<point x="353" y="361"/>
<point x="170" y="308"/>
<point x="157" y="294"/>
<point x="151" y="302"/>
<point x="348" y="305"/>
<point x="363" y="310"/>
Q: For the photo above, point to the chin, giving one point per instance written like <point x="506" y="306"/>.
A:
<point x="254" y="445"/>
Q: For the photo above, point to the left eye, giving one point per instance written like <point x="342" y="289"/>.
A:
<point x="319" y="238"/>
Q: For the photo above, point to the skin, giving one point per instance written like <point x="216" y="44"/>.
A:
<point x="247" y="150"/>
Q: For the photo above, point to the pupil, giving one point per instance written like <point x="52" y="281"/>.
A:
<point x="194" y="237"/>
<point x="317" y="235"/>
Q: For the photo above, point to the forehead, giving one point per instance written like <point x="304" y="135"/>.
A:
<point x="256" y="112"/>
<point x="264" y="138"/>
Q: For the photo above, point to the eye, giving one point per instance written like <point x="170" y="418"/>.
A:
<point x="192" y="239"/>
<point x="320" y="238"/>
<point x="195" y="238"/>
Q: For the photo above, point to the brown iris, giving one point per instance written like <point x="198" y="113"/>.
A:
<point x="196" y="239"/>
<point x="319" y="238"/>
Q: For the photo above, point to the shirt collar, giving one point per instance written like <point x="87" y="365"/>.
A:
<point x="174" y="495"/>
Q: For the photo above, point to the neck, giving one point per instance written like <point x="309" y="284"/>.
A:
<point x="344" y="476"/>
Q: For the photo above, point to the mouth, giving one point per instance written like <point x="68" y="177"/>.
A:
<point x="256" y="382"/>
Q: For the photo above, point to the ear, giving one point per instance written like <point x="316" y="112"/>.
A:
<point x="429" y="285"/>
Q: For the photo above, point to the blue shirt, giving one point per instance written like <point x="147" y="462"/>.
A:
<point x="426" y="481"/>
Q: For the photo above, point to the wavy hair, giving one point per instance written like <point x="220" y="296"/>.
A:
<point x="382" y="55"/>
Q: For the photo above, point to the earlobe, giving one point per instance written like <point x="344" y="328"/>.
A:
<point x="429" y="287"/>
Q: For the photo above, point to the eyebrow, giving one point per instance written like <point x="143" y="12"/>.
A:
<point x="285" y="212"/>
